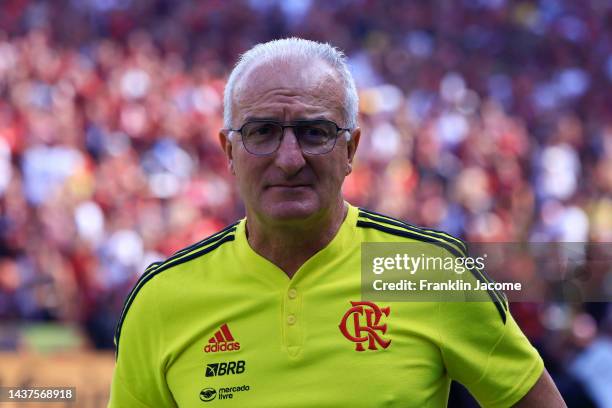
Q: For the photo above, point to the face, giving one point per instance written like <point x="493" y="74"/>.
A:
<point x="289" y="185"/>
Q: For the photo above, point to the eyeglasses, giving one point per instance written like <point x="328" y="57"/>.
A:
<point x="264" y="137"/>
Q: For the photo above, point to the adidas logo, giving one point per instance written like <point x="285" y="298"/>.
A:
<point x="222" y="341"/>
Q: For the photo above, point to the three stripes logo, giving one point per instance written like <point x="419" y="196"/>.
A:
<point x="222" y="341"/>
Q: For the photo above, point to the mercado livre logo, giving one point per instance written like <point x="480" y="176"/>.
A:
<point x="209" y="394"/>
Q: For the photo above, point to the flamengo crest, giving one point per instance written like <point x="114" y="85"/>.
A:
<point x="363" y="319"/>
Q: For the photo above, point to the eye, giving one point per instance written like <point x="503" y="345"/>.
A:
<point x="261" y="133"/>
<point x="315" y="133"/>
<point x="260" y="129"/>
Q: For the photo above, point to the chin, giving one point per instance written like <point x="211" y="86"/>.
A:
<point x="291" y="210"/>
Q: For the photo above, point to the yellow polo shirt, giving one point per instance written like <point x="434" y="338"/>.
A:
<point x="217" y="325"/>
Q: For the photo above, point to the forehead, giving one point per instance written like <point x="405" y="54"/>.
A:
<point x="289" y="90"/>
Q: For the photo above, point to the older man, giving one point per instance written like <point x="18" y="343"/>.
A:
<point x="267" y="312"/>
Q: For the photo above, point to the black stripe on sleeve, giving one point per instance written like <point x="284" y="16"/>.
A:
<point x="394" y="221"/>
<point x="154" y="265"/>
<point x="217" y="240"/>
<point x="408" y="234"/>
<point x="436" y="234"/>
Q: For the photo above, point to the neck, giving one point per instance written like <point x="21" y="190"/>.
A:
<point x="289" y="245"/>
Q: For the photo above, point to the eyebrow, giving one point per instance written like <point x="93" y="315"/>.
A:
<point x="250" y="118"/>
<point x="273" y="119"/>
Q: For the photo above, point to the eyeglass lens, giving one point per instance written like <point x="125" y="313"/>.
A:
<point x="316" y="137"/>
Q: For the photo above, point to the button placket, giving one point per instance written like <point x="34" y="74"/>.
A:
<point x="292" y="293"/>
<point x="291" y="321"/>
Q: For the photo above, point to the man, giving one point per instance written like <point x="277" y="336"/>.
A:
<point x="267" y="312"/>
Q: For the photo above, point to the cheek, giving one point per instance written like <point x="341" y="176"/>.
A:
<point x="247" y="172"/>
<point x="341" y="162"/>
<point x="334" y="173"/>
<point x="243" y="162"/>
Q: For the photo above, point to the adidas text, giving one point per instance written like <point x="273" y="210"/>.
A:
<point x="213" y="348"/>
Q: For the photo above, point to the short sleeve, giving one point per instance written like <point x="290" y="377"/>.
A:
<point x="487" y="352"/>
<point x="139" y="376"/>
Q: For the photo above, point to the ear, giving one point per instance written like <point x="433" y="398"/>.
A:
<point x="352" y="143"/>
<point x="226" y="145"/>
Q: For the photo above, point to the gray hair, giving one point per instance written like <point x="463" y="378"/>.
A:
<point x="294" y="47"/>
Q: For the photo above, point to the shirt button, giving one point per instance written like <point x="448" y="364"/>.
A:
<point x="291" y="319"/>
<point x="292" y="293"/>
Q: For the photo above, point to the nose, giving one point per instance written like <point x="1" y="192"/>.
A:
<point x="289" y="157"/>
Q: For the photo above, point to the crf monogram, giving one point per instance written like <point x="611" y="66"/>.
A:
<point x="365" y="331"/>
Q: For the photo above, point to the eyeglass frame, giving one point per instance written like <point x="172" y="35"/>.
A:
<point x="292" y="124"/>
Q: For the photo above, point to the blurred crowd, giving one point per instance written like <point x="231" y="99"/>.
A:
<point x="489" y="119"/>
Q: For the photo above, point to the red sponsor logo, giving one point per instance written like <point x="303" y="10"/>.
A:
<point x="361" y="323"/>
<point x="222" y="341"/>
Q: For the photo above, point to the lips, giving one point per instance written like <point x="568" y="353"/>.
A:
<point x="289" y="186"/>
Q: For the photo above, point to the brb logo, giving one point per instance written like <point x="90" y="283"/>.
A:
<point x="364" y="319"/>
<point x="219" y="369"/>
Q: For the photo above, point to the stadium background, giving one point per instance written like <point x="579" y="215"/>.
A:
<point x="490" y="119"/>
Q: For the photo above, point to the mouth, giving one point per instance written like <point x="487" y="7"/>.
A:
<point x="289" y="186"/>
